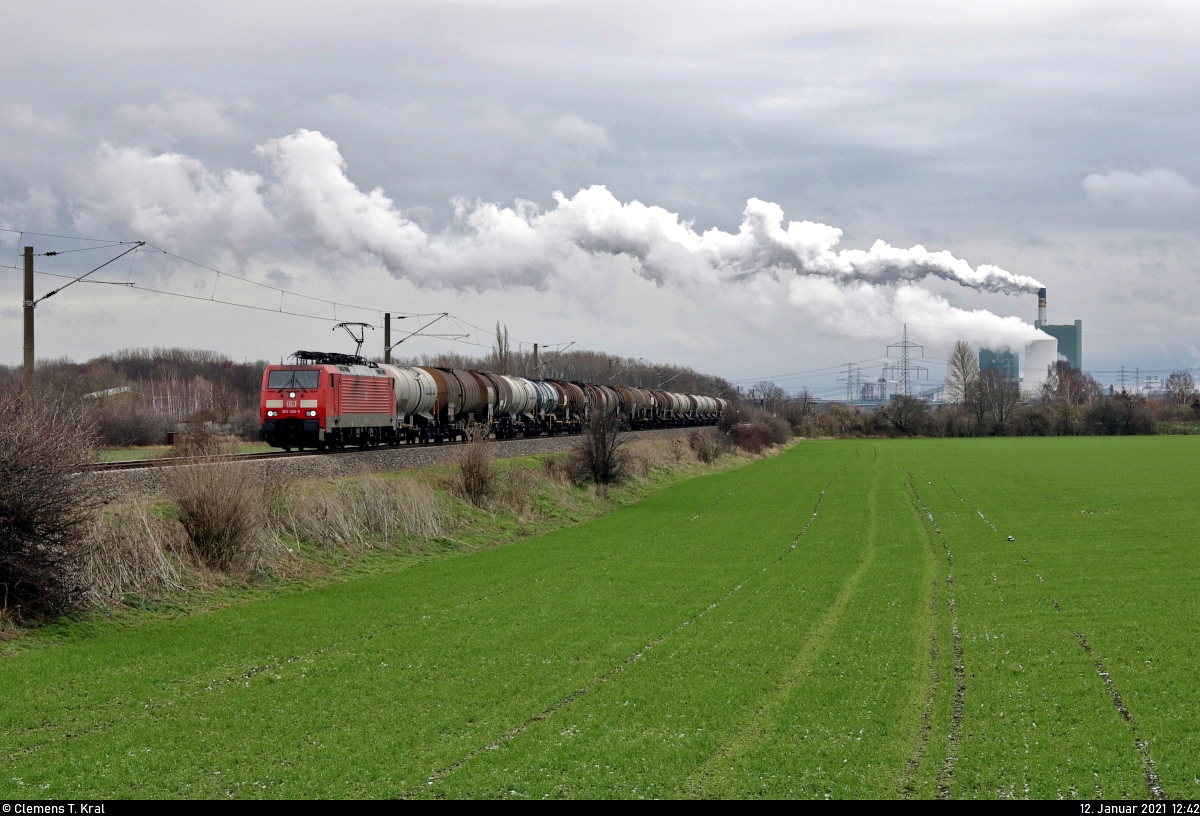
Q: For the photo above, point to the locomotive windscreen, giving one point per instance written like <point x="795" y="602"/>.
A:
<point x="293" y="379"/>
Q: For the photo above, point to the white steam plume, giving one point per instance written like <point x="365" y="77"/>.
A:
<point x="520" y="245"/>
<point x="302" y="206"/>
<point x="307" y="192"/>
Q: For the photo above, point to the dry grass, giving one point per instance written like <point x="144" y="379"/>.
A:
<point x="517" y="490"/>
<point x="559" y="468"/>
<point x="131" y="550"/>
<point x="328" y="516"/>
<point x="644" y="457"/>
<point x="342" y="514"/>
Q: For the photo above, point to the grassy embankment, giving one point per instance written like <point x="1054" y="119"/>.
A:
<point x="846" y="619"/>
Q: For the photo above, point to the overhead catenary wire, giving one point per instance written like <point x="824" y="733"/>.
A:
<point x="74" y="281"/>
<point x="66" y="237"/>
<point x="284" y="293"/>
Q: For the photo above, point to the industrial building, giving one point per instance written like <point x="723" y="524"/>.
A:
<point x="1068" y="335"/>
<point x="1065" y="342"/>
<point x="1006" y="362"/>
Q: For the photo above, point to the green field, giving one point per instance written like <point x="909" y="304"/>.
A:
<point x="847" y="619"/>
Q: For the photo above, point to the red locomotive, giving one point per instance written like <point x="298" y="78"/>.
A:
<point x="324" y="401"/>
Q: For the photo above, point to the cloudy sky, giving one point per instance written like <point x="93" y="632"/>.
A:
<point x="621" y="175"/>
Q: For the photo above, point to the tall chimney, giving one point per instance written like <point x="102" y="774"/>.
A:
<point x="1042" y="306"/>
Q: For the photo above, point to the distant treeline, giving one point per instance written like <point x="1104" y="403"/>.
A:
<point x="166" y="386"/>
<point x="989" y="403"/>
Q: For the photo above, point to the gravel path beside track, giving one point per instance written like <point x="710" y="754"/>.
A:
<point x="147" y="480"/>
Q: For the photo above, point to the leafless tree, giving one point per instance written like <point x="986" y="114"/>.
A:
<point x="1180" y="386"/>
<point x="806" y="402"/>
<point x="1069" y="386"/>
<point x="1000" y="395"/>
<point x="501" y="352"/>
<point x="769" y="395"/>
<point x="962" y="373"/>
<point x="224" y="402"/>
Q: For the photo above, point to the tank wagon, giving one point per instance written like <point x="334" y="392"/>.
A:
<point x="328" y="400"/>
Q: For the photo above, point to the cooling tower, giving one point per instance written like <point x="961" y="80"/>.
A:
<point x="1039" y="356"/>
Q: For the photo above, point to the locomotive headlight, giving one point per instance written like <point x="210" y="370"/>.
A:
<point x="272" y="413"/>
<point x="291" y="395"/>
<point x="310" y="413"/>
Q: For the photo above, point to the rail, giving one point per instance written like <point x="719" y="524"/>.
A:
<point x="175" y="461"/>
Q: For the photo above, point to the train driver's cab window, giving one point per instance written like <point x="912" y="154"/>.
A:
<point x="294" y="379"/>
<point x="307" y="379"/>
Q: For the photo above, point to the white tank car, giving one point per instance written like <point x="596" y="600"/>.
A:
<point x="416" y="391"/>
<point x="524" y="399"/>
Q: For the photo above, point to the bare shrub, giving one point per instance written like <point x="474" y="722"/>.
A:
<point x="199" y="440"/>
<point x="133" y="551"/>
<point x="753" y="429"/>
<point x="476" y="478"/>
<point x="751" y="437"/>
<point x="680" y="451"/>
<point x="600" y="452"/>
<point x="125" y="423"/>
<point x="780" y="431"/>
<point x="221" y="508"/>
<point x="708" y="444"/>
<point x="45" y="508"/>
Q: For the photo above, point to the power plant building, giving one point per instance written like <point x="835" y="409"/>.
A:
<point x="1069" y="336"/>
<point x="1006" y="362"/>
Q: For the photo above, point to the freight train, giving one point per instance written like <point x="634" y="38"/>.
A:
<point x="328" y="400"/>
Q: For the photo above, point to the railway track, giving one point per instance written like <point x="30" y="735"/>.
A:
<point x="174" y="461"/>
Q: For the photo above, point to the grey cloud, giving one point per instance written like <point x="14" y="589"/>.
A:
<point x="1157" y="189"/>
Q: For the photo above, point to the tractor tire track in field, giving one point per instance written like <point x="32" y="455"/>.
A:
<point x="907" y="788"/>
<point x="240" y="677"/>
<point x="945" y="776"/>
<point x="754" y="729"/>
<point x="1142" y="746"/>
<point x="516" y="731"/>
